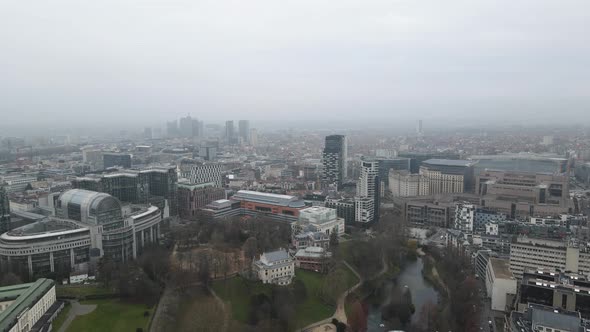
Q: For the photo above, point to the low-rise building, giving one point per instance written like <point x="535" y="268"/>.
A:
<point x="312" y="258"/>
<point x="311" y="239"/>
<point x="28" y="307"/>
<point x="319" y="219"/>
<point x="500" y="284"/>
<point x="275" y="267"/>
<point x="545" y="318"/>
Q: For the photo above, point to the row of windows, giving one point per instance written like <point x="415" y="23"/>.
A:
<point x="46" y="249"/>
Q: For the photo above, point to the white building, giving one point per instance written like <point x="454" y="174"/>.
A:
<point x="500" y="283"/>
<point x="464" y="217"/>
<point x="319" y="219"/>
<point x="17" y="182"/>
<point x="23" y="306"/>
<point x="367" y="196"/>
<point x="404" y="184"/>
<point x="529" y="253"/>
<point x="275" y="267"/>
<point x="202" y="173"/>
<point x="364" y="208"/>
<point x="492" y="228"/>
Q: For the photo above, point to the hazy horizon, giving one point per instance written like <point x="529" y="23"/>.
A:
<point x="291" y="63"/>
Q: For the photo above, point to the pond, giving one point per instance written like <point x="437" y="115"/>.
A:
<point x="422" y="293"/>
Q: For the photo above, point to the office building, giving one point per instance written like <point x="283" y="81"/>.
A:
<point x="17" y="182"/>
<point x="533" y="253"/>
<point x="334" y="161"/>
<point x="208" y="153"/>
<point x="404" y="184"/>
<point x="88" y="225"/>
<point x="555" y="289"/>
<point x="464" y="217"/>
<point x="93" y="158"/>
<point x="500" y="284"/>
<point x="275" y="267"/>
<point x="147" y="133"/>
<point x="388" y="164"/>
<point x="244" y="130"/>
<point x="230" y="134"/>
<point x="364" y="208"/>
<point x="270" y="204"/>
<point x="156" y="185"/>
<point x="520" y="194"/>
<point x="4" y="210"/>
<point x="419" y="129"/>
<point x="440" y="176"/>
<point x="28" y="307"/>
<point x="484" y="216"/>
<point x="116" y="160"/>
<point x="367" y="191"/>
<point x="345" y="208"/>
<point x="172" y="129"/>
<point x="428" y="213"/>
<point x="417" y="158"/>
<point x="520" y="162"/>
<point x="197" y="172"/>
<point x="193" y="197"/>
<point x="186" y="126"/>
<point x="319" y="219"/>
<point x="254" y="137"/>
<point x="481" y="259"/>
<point x="582" y="173"/>
<point x="537" y="318"/>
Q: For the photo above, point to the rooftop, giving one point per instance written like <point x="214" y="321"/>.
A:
<point x="26" y="296"/>
<point x="548" y="317"/>
<point x="268" y="198"/>
<point x="275" y="256"/>
<point x="501" y="268"/>
<point x="448" y="162"/>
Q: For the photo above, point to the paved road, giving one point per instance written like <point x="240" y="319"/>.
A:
<point x="76" y="310"/>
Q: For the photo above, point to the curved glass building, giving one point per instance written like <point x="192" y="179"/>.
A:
<point x="88" y="225"/>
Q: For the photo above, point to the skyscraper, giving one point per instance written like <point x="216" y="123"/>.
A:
<point x="147" y="133"/>
<point x="244" y="130"/>
<point x="186" y="126"/>
<point x="172" y="128"/>
<point x="368" y="192"/>
<point x="334" y="160"/>
<point x="253" y="137"/>
<point x="198" y="129"/>
<point x="4" y="210"/>
<point x="419" y="128"/>
<point x="229" y="131"/>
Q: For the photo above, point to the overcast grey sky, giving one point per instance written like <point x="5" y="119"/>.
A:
<point x="283" y="60"/>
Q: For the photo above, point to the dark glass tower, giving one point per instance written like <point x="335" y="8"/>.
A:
<point x="334" y="160"/>
<point x="4" y="211"/>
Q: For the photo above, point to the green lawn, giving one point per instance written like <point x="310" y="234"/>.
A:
<point x="112" y="315"/>
<point x="82" y="291"/>
<point x="61" y="318"/>
<point x="313" y="309"/>
<point x="237" y="291"/>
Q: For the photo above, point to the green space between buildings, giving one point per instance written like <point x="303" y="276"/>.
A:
<point x="112" y="315"/>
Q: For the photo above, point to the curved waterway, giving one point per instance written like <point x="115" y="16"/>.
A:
<point x="422" y="293"/>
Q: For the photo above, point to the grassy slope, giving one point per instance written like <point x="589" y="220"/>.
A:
<point x="112" y="316"/>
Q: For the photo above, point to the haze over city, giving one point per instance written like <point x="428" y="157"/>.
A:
<point x="295" y="166"/>
<point x="143" y="62"/>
